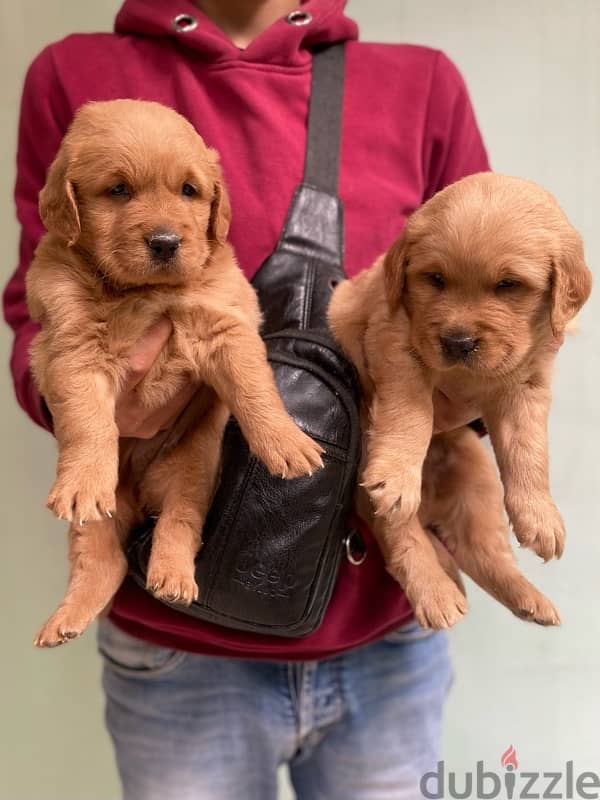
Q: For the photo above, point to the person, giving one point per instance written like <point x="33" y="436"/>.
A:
<point x="195" y="710"/>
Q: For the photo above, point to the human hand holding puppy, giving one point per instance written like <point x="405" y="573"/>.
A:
<point x="134" y="420"/>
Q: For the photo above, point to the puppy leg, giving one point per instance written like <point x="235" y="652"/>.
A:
<point x="98" y="567"/>
<point x="463" y="502"/>
<point x="446" y="560"/>
<point x="400" y="430"/>
<point x="433" y="587"/>
<point x="88" y="442"/>
<point x="517" y="422"/>
<point x="180" y="488"/>
<point x="233" y="361"/>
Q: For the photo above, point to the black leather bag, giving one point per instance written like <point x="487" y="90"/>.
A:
<point x="272" y="547"/>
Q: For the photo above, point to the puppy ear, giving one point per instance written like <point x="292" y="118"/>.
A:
<point x="220" y="210"/>
<point x="57" y="202"/>
<point x="571" y="282"/>
<point x="394" y="271"/>
<point x="220" y="214"/>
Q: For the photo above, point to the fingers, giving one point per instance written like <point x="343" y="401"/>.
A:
<point x="161" y="419"/>
<point x="174" y="409"/>
<point x="132" y="418"/>
<point x="136" y="421"/>
<point x="449" y="415"/>
<point x="146" y="350"/>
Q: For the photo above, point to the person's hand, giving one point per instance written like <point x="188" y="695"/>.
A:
<point x="449" y="414"/>
<point x="132" y="418"/>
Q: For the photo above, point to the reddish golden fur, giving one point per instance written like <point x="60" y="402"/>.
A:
<point x="96" y="288"/>
<point x="442" y="278"/>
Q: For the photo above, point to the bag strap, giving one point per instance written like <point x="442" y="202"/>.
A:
<point x="322" y="158"/>
<point x="294" y="284"/>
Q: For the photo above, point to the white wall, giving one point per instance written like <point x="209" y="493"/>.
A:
<point x="533" y="68"/>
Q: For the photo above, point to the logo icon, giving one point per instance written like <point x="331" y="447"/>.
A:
<point x="510" y="764"/>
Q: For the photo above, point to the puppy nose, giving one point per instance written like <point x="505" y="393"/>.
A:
<point x="458" y="345"/>
<point x="163" y="243"/>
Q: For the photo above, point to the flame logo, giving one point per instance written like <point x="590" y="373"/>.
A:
<point x="510" y="757"/>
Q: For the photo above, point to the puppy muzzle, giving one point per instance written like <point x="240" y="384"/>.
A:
<point x="459" y="346"/>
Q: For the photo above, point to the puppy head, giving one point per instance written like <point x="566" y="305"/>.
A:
<point x="486" y="270"/>
<point x="137" y="190"/>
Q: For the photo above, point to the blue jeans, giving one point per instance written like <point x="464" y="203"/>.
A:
<point x="364" y="725"/>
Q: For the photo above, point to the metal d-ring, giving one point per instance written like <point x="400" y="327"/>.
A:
<point x="356" y="549"/>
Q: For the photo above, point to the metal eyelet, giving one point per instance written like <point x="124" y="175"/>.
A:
<point x="299" y="17"/>
<point x="356" y="549"/>
<point x="183" y="23"/>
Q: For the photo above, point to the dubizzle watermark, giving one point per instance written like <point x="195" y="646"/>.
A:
<point x="511" y="783"/>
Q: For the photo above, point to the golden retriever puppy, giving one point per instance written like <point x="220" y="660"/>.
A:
<point x="138" y="217"/>
<point x="471" y="301"/>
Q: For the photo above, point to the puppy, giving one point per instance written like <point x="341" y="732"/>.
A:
<point x="138" y="217"/>
<point x="471" y="300"/>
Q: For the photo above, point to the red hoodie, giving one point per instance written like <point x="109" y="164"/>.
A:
<point x="408" y="130"/>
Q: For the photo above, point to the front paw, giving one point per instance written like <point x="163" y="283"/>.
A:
<point x="537" y="524"/>
<point x="83" y="495"/>
<point x="179" y="588"/>
<point x="396" y="495"/>
<point x="290" y="454"/>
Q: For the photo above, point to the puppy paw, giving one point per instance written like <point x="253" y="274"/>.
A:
<point x="82" y="496"/>
<point x="437" y="599"/>
<point x="65" y="624"/>
<point x="539" y="526"/>
<point x="291" y="455"/>
<point x="395" y="496"/>
<point x="521" y="597"/>
<point x="439" y="607"/>
<point x="539" y="610"/>
<point x="179" y="589"/>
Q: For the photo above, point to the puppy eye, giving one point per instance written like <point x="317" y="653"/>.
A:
<point x="507" y="283"/>
<point x="120" y="190"/>
<point x="436" y="279"/>
<point x="187" y="190"/>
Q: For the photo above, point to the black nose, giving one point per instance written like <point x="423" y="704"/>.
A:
<point x="458" y="345"/>
<point x="163" y="244"/>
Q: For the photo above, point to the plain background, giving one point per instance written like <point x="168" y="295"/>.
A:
<point x="533" y="70"/>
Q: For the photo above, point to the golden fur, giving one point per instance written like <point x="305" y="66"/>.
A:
<point x="126" y="172"/>
<point x="471" y="301"/>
